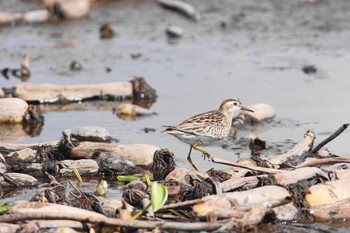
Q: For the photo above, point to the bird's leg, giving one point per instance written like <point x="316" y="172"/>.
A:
<point x="205" y="154"/>
<point x="235" y="132"/>
<point x="189" y="158"/>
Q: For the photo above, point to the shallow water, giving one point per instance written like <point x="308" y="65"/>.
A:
<point x="258" y="57"/>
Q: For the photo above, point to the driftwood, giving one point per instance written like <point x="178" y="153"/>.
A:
<point x="45" y="211"/>
<point x="49" y="93"/>
<point x="330" y="138"/>
<point x="269" y="195"/>
<point x="10" y="147"/>
<point x="342" y="174"/>
<point x="291" y="177"/>
<point x="235" y="183"/>
<point x="328" y="193"/>
<point x="181" y="7"/>
<point x="325" y="161"/>
<point x="253" y="168"/>
<point x="338" y="211"/>
<point x="136" y="89"/>
<point x="299" y="149"/>
<point x="3" y="167"/>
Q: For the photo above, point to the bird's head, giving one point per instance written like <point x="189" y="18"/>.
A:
<point x="232" y="105"/>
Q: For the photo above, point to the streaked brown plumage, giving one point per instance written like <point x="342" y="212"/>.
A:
<point x="203" y="129"/>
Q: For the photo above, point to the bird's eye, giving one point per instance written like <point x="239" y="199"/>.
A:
<point x="235" y="103"/>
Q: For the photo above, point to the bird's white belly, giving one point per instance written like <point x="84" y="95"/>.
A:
<point x="192" y="139"/>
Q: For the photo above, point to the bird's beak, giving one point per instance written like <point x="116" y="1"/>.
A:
<point x="246" y="109"/>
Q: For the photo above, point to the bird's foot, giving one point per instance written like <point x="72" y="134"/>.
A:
<point x="206" y="155"/>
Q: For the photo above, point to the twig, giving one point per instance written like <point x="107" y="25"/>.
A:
<point x="139" y="224"/>
<point x="182" y="204"/>
<point x="324" y="161"/>
<point x="330" y="138"/>
<point x="253" y="168"/>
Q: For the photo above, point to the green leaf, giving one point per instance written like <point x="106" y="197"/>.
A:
<point x="159" y="195"/>
<point x="4" y="208"/>
<point x="148" y="180"/>
<point x="126" y="179"/>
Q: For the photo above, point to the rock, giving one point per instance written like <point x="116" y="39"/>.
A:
<point x="106" y="31"/>
<point x="140" y="154"/>
<point x="12" y="110"/>
<point x="262" y="111"/>
<point x="88" y="133"/>
<point x="130" y="111"/>
<point x="8" y="18"/>
<point x="26" y="155"/>
<point x="18" y="179"/>
<point x="179" y="175"/>
<point x="75" y="66"/>
<point x="119" y="166"/>
<point x="68" y="9"/>
<point x="174" y="32"/>
<point x="38" y="16"/>
<point x="84" y="166"/>
<point x="309" y="69"/>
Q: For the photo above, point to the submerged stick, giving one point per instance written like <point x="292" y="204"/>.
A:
<point x="253" y="168"/>
<point x="330" y="138"/>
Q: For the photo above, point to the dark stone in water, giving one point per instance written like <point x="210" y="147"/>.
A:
<point x="309" y="69"/>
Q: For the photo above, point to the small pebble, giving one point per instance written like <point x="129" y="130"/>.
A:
<point x="136" y="55"/>
<point x="174" y="32"/>
<point x="75" y="66"/>
<point x="106" y="31"/>
<point x="309" y="69"/>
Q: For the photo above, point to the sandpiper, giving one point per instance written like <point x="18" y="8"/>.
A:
<point x="203" y="129"/>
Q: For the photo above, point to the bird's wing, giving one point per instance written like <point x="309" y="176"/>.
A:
<point x="207" y="124"/>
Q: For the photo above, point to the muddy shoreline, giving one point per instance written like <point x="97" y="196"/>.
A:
<point x="290" y="54"/>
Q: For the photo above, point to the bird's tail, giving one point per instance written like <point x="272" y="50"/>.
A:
<point x="169" y="129"/>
